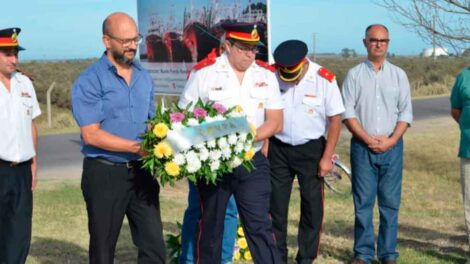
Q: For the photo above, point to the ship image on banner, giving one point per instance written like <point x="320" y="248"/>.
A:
<point x="178" y="34"/>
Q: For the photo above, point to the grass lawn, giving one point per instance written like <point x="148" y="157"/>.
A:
<point x="431" y="218"/>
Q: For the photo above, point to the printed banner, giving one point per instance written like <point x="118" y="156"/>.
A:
<point x="178" y="34"/>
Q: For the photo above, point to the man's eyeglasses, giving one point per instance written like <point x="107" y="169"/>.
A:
<point x="246" y="49"/>
<point x="375" y="41"/>
<point x="127" y="42"/>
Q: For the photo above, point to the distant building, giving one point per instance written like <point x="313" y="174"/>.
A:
<point x="428" y="52"/>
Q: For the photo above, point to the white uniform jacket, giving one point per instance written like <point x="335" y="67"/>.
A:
<point x="18" y="108"/>
<point x="217" y="82"/>
<point x="308" y="105"/>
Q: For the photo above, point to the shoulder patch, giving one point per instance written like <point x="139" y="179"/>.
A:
<point x="325" y="73"/>
<point x="209" y="60"/>
<point x="266" y="65"/>
<point x="26" y="75"/>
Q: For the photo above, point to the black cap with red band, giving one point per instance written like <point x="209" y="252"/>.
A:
<point x="9" y="38"/>
<point x="243" y="32"/>
<point x="290" y="59"/>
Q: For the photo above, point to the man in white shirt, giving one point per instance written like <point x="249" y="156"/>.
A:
<point x="233" y="79"/>
<point x="18" y="166"/>
<point x="312" y="109"/>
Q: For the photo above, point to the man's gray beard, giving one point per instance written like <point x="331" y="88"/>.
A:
<point x="120" y="58"/>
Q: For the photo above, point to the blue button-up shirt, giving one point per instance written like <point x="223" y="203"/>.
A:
<point x="101" y="96"/>
<point x="378" y="99"/>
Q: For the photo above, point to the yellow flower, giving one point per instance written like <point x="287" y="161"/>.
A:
<point x="253" y="129"/>
<point x="162" y="149"/>
<point x="249" y="154"/>
<point x="238" y="109"/>
<point x="247" y="255"/>
<point x="240" y="232"/>
<point x="172" y="168"/>
<point x="242" y="243"/>
<point x="160" y="130"/>
<point x="237" y="256"/>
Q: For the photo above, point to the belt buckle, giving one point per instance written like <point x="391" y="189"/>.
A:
<point x="129" y="164"/>
<point x="13" y="164"/>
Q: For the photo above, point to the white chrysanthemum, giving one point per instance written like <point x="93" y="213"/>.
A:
<point x="239" y="147"/>
<point x="215" y="154"/>
<point x="214" y="165"/>
<point x="200" y="146"/>
<point x="226" y="153"/>
<point x="190" y="154"/>
<point x="203" y="154"/>
<point x="235" y="162"/>
<point x="193" y="122"/>
<point x="211" y="143"/>
<point x="194" y="164"/>
<point x="179" y="159"/>
<point x="242" y="137"/>
<point x="232" y="139"/>
<point x="222" y="142"/>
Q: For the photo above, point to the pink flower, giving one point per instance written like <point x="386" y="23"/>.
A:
<point x="199" y="112"/>
<point x="176" y="117"/>
<point x="220" y="108"/>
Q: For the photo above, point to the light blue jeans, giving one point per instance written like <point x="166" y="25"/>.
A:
<point x="376" y="176"/>
<point x="190" y="222"/>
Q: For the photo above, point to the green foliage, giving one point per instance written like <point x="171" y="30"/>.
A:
<point x="173" y="245"/>
<point x="426" y="75"/>
<point x="63" y="73"/>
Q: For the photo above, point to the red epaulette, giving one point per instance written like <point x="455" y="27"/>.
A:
<point x="325" y="73"/>
<point x="266" y="65"/>
<point x="209" y="60"/>
<point x="27" y="75"/>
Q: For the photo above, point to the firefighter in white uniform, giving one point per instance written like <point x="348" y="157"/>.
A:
<point x="312" y="108"/>
<point x="18" y="137"/>
<point x="233" y="79"/>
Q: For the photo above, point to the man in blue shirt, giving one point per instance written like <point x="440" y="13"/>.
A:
<point x="378" y="112"/>
<point x="111" y="100"/>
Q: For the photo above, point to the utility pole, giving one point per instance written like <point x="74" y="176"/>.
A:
<point x="434" y="37"/>
<point x="314" y="46"/>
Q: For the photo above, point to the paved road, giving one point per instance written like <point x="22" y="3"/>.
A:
<point x="60" y="157"/>
<point x="431" y="108"/>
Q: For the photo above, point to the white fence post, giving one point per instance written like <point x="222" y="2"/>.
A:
<point x="48" y="97"/>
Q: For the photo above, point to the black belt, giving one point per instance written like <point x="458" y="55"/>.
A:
<point x="13" y="163"/>
<point x="128" y="164"/>
<point x="278" y="141"/>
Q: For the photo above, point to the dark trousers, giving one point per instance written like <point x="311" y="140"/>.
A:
<point x="111" y="192"/>
<point x="287" y="161"/>
<point x="16" y="211"/>
<point x="252" y="191"/>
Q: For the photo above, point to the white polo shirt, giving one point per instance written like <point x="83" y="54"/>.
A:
<point x="217" y="82"/>
<point x="17" y="110"/>
<point x="307" y="106"/>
